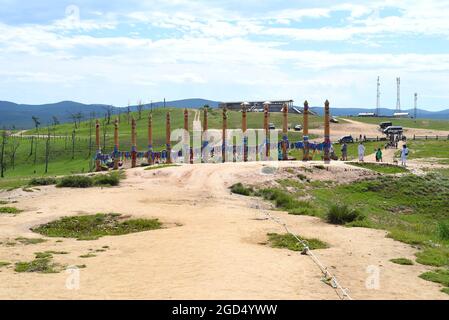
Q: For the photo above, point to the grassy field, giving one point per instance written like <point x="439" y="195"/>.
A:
<point x="425" y="149"/>
<point x="408" y="123"/>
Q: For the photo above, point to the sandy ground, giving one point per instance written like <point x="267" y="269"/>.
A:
<point x="211" y="246"/>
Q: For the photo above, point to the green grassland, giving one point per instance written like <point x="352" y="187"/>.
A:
<point x="424" y="149"/>
<point x="408" y="123"/>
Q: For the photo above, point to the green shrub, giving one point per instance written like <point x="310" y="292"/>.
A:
<point x="288" y="241"/>
<point x="342" y="214"/>
<point x="75" y="182"/>
<point x="112" y="179"/>
<point x="443" y="230"/>
<point x="436" y="257"/>
<point x="92" y="227"/>
<point x="438" y="276"/>
<point x="239" y="188"/>
<point x="42" y="181"/>
<point x="10" y="210"/>
<point x="402" y="261"/>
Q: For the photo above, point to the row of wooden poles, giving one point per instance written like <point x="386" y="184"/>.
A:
<point x="284" y="143"/>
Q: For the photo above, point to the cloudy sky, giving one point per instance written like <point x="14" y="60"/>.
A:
<point x="111" y="51"/>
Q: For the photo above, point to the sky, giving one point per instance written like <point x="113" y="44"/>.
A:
<point x="119" y="52"/>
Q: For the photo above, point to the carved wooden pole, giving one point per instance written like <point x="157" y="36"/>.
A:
<point x="167" y="138"/>
<point x="306" y="132"/>
<point x="150" y="139"/>
<point x="225" y="128"/>
<point x="285" y="133"/>
<point x="186" y="137"/>
<point x="267" y="128"/>
<point x="97" y="141"/>
<point x="116" y="144"/>
<point x="327" y="141"/>
<point x="133" y="143"/>
<point x="244" y="129"/>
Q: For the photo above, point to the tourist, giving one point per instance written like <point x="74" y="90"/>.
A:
<point x="379" y="155"/>
<point x="404" y="154"/>
<point x="344" y="152"/>
<point x="361" y="151"/>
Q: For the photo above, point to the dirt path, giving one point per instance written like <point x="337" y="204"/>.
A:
<point x="356" y="128"/>
<point x="215" y="254"/>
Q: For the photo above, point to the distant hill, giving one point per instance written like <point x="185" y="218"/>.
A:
<point x="19" y="115"/>
<point x="384" y="112"/>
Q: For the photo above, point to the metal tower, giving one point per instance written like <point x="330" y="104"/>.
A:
<point x="378" y="97"/>
<point x="416" y="107"/>
<point x="398" y="102"/>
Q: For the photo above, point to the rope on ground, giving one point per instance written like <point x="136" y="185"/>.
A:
<point x="329" y="278"/>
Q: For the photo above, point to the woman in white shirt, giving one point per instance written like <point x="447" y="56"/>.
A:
<point x="361" y="152"/>
<point x="404" y="154"/>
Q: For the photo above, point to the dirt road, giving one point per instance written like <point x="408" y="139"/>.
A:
<point x="210" y="249"/>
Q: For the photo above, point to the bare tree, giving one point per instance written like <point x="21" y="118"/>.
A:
<point x="74" y="118"/>
<point x="79" y="116"/>
<point x="47" y="151"/>
<point x="13" y="147"/>
<point x="37" y="123"/>
<point x="109" y="112"/>
<point x="55" y="121"/>
<point x="128" y="113"/>
<point x="105" y="134"/>
<point x="2" y="154"/>
<point x="140" y="107"/>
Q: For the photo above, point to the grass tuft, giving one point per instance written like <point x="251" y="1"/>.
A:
<point x="343" y="214"/>
<point x="288" y="241"/>
<point x="239" y="188"/>
<point x="43" y="181"/>
<point x="436" y="257"/>
<point x="10" y="210"/>
<point x="92" y="227"/>
<point x="28" y="241"/>
<point x="402" y="261"/>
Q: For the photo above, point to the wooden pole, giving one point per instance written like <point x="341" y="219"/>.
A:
<point x="97" y="141"/>
<point x="285" y="133"/>
<point x="267" y="129"/>
<point x="244" y="129"/>
<point x="225" y="128"/>
<point x="150" y="139"/>
<point x="186" y="138"/>
<point x="167" y="138"/>
<point x="327" y="141"/>
<point x="134" y="143"/>
<point x="116" y="144"/>
<point x="306" y="132"/>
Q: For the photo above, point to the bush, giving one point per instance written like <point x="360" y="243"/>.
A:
<point x="443" y="230"/>
<point x="75" y="182"/>
<point x="42" y="181"/>
<point x="112" y="179"/>
<point x="342" y="214"/>
<point x="239" y="188"/>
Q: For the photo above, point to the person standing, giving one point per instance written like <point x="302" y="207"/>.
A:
<point x="344" y="152"/>
<point x="361" y="150"/>
<point x="379" y="155"/>
<point x="404" y="154"/>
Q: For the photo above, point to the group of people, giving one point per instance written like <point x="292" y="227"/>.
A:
<point x="379" y="154"/>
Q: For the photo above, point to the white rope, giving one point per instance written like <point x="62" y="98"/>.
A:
<point x="343" y="293"/>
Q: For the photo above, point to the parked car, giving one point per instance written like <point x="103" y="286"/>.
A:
<point x="334" y="120"/>
<point x="384" y="125"/>
<point x="393" y="130"/>
<point x="271" y="126"/>
<point x="346" y="139"/>
<point x="298" y="127"/>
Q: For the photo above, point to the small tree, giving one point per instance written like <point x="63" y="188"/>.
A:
<point x="55" y="121"/>
<point x="4" y="136"/>
<point x="109" y="112"/>
<point x="140" y="108"/>
<point x="13" y="147"/>
<point x="47" y="151"/>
